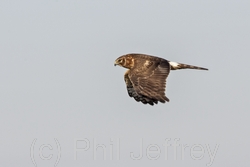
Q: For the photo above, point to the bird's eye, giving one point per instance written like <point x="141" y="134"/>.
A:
<point x="120" y="60"/>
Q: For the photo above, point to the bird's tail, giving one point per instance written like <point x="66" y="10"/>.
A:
<point x="177" y="66"/>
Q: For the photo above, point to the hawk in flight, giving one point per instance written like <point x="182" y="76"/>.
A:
<point x="146" y="76"/>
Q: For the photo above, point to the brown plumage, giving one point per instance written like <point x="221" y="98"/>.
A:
<point x="146" y="76"/>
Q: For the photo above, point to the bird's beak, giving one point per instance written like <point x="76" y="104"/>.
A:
<point x="115" y="63"/>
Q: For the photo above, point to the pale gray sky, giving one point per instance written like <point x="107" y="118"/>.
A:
<point x="59" y="86"/>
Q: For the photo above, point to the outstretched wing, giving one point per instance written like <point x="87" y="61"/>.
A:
<point x="148" y="86"/>
<point x="138" y="97"/>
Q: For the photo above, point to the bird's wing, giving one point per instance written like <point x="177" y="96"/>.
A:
<point x="149" y="85"/>
<point x="138" y="97"/>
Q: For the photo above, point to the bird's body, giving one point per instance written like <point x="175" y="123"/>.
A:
<point x="146" y="76"/>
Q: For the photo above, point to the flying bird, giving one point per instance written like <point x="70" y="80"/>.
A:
<point x="146" y="76"/>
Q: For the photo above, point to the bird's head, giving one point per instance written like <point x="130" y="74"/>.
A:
<point x="120" y="61"/>
<point x="125" y="61"/>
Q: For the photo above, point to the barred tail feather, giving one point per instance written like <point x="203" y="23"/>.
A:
<point x="177" y="66"/>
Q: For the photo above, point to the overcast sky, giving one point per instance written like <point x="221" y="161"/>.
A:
<point x="63" y="103"/>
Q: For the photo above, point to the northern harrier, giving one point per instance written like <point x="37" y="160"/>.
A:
<point x="146" y="76"/>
